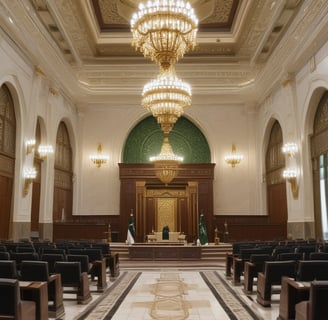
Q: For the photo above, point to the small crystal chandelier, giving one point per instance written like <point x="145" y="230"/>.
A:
<point x="233" y="158"/>
<point x="165" y="97"/>
<point x="99" y="158"/>
<point x="164" y="30"/>
<point x="166" y="163"/>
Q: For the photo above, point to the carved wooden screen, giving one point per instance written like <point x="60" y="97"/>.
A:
<point x="319" y="147"/>
<point x="36" y="182"/>
<point x="63" y="186"/>
<point x="7" y="158"/>
<point x="276" y="185"/>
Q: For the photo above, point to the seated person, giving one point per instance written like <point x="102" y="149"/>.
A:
<point x="165" y="233"/>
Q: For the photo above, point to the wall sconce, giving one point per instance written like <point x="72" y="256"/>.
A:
<point x="29" y="176"/>
<point x="99" y="158"/>
<point x="290" y="148"/>
<point x="45" y="150"/>
<point x="233" y="158"/>
<point x="291" y="175"/>
<point x="30" y="143"/>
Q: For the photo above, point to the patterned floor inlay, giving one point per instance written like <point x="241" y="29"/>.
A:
<point x="171" y="295"/>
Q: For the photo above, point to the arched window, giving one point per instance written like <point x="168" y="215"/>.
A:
<point x="63" y="184"/>
<point x="276" y="184"/>
<point x="319" y="147"/>
<point x="7" y="158"/>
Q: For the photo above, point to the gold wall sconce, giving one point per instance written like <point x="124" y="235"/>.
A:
<point x="291" y="175"/>
<point x="29" y="176"/>
<point x="290" y="148"/>
<point x="30" y="144"/>
<point x="45" y="150"/>
<point x="99" y="158"/>
<point x="233" y="158"/>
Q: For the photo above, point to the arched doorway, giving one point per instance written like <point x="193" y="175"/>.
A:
<point x="7" y="159"/>
<point x="276" y="185"/>
<point x="319" y="150"/>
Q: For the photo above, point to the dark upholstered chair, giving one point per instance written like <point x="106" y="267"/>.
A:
<point x="112" y="260"/>
<point x="273" y="272"/>
<point x="11" y="305"/>
<point x="252" y="268"/>
<point x="312" y="270"/>
<point x="316" y="308"/>
<point x="21" y="256"/>
<point x="83" y="259"/>
<point x="8" y="269"/>
<point x="98" y="265"/>
<point x="245" y="255"/>
<point x="72" y="276"/>
<point x="38" y="271"/>
<point x="306" y="250"/>
<point x="4" y="255"/>
<point x="281" y="249"/>
<point x="51" y="259"/>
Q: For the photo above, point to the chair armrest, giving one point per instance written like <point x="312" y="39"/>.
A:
<point x="302" y="310"/>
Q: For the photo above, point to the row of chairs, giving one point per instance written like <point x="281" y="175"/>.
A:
<point x="91" y="262"/>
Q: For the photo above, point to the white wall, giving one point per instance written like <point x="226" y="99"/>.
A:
<point x="294" y="105"/>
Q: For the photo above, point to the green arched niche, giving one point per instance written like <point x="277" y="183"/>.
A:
<point x="146" y="138"/>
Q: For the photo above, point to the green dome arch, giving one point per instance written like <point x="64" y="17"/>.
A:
<point x="146" y="138"/>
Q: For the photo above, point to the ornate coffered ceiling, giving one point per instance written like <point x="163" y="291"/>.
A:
<point x="243" y="46"/>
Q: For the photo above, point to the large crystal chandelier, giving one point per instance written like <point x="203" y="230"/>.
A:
<point x="166" y="163"/>
<point x="165" y="97"/>
<point x="164" y="30"/>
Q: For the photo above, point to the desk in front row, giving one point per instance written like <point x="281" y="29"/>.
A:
<point x="164" y="252"/>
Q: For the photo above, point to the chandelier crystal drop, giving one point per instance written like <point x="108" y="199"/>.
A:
<point x="166" y="163"/>
<point x="164" y="30"/>
<point x="166" y="97"/>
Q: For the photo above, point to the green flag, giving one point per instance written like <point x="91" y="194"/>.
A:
<point x="131" y="230"/>
<point x="202" y="231"/>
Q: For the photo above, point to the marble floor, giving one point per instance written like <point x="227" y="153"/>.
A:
<point x="169" y="293"/>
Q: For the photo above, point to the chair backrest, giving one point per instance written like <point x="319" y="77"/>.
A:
<point x="275" y="270"/>
<point x="53" y="250"/>
<point x="290" y="256"/>
<point x="93" y="254"/>
<point x="70" y="272"/>
<point x="3" y="248"/>
<point x="319" y="256"/>
<point x="281" y="249"/>
<point x="20" y="256"/>
<point x="51" y="259"/>
<point x="8" y="269"/>
<point x="34" y="271"/>
<point x="318" y="300"/>
<point x="25" y="249"/>
<point x="312" y="270"/>
<point x="306" y="250"/>
<point x="105" y="248"/>
<point x="83" y="259"/>
<point x="4" y="255"/>
<point x="10" y="297"/>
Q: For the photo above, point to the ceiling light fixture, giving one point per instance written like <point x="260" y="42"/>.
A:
<point x="166" y="97"/>
<point x="164" y="30"/>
